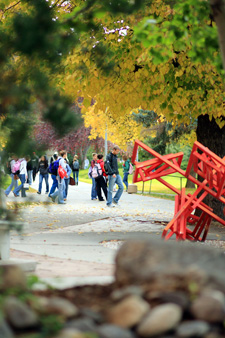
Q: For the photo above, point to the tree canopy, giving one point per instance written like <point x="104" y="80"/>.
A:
<point x="156" y="55"/>
<point x="164" y="58"/>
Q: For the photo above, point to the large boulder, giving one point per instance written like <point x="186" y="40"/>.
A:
<point x="168" y="266"/>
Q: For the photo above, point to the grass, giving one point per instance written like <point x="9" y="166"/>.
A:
<point x="7" y="180"/>
<point x="155" y="188"/>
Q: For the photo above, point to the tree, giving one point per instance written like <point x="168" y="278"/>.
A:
<point x="168" y="61"/>
<point x="31" y="48"/>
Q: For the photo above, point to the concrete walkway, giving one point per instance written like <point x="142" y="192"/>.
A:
<point x="76" y="243"/>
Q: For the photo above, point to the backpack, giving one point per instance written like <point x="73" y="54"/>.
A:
<point x="131" y="169"/>
<point x="90" y="172"/>
<point x="96" y="170"/>
<point x="76" y="165"/>
<point x="53" y="167"/>
<point x="106" y="164"/>
<point x="106" y="167"/>
<point x="16" y="167"/>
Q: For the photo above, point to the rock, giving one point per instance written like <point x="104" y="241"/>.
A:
<point x="127" y="291"/>
<point x="112" y="331"/>
<point x="209" y="306"/>
<point x="5" y="331"/>
<point x="179" y="298"/>
<point x="165" y="265"/>
<point x="128" y="312"/>
<point x="19" y="314"/>
<point x="61" y="306"/>
<point x="12" y="277"/>
<point x="94" y="315"/>
<point x="214" y="335"/>
<point x="160" y="320"/>
<point x="194" y="328"/>
<point x="83" y="324"/>
<point x="70" y="333"/>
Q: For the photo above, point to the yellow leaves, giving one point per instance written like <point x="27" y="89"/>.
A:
<point x="211" y="81"/>
<point x="179" y="73"/>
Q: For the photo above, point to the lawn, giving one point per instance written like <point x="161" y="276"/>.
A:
<point x="154" y="187"/>
<point x="7" y="180"/>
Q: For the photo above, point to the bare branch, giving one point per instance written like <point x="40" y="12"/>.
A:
<point x="10" y="7"/>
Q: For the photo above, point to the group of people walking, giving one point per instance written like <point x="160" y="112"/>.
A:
<point x="108" y="177"/>
<point x="26" y="168"/>
<point x="105" y="175"/>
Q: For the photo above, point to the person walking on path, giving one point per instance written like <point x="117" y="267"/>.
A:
<point x="67" y="180"/>
<point x="75" y="167"/>
<point x="93" y="188"/>
<point x="35" y="163"/>
<point x="101" y="180"/>
<point x="61" y="181"/>
<point x="29" y="170"/>
<point x="113" y="177"/>
<point x="126" y="167"/>
<point x="54" y="177"/>
<point x="14" y="178"/>
<point x="53" y="157"/>
<point x="86" y="163"/>
<point x="22" y="176"/>
<point x="43" y="168"/>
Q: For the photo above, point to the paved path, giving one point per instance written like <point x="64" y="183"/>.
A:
<point x="76" y="242"/>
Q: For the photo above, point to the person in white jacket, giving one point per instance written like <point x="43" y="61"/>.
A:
<point x="22" y="176"/>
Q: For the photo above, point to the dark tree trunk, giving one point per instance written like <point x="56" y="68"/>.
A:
<point x="190" y="184"/>
<point x="211" y="136"/>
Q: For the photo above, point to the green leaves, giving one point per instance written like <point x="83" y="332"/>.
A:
<point x="187" y="28"/>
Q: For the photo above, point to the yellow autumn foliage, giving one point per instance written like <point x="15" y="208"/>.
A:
<point x="180" y="94"/>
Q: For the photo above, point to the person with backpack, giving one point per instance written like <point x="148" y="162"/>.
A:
<point x="67" y="179"/>
<point x="14" y="177"/>
<point x="93" y="188"/>
<point x="111" y="168"/>
<point x="22" y="174"/>
<point x="61" y="181"/>
<point x="43" y="168"/>
<point x="100" y="179"/>
<point x="53" y="174"/>
<point x="126" y="167"/>
<point x="75" y="167"/>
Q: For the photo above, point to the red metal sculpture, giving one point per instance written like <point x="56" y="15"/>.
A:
<point x="207" y="165"/>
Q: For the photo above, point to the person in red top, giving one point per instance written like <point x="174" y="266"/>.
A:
<point x="101" y="180"/>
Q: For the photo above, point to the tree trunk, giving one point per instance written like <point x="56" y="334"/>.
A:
<point x="211" y="136"/>
<point x="190" y="184"/>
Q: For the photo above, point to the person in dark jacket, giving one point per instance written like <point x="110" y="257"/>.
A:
<point x="126" y="167"/>
<point x="29" y="170"/>
<point x="54" y="177"/>
<point x="113" y="177"/>
<point x="43" y="168"/>
<point x="35" y="163"/>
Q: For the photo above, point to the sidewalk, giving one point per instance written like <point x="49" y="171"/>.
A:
<point x="77" y="242"/>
